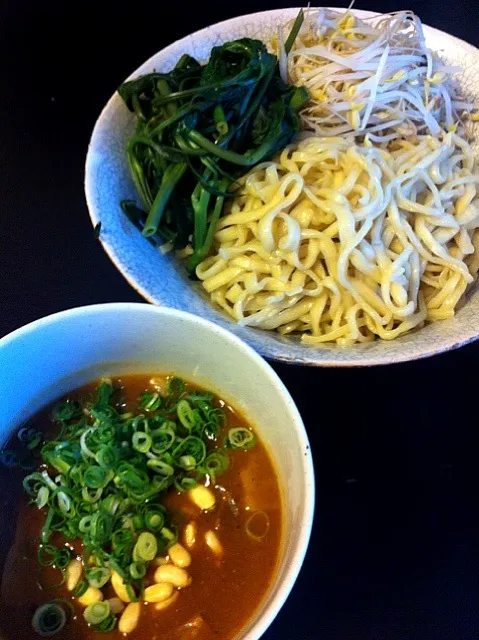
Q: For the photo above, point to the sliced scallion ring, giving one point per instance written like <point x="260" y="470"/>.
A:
<point x="146" y="547"/>
<point x="98" y="576"/>
<point x="49" y="619"/>
<point x="97" y="612"/>
<point x="241" y="438"/>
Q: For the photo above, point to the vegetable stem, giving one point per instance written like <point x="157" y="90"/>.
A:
<point x="138" y="175"/>
<point x="220" y="120"/>
<point x="201" y="252"/>
<point x="171" y="177"/>
<point x="200" y="207"/>
<point x="169" y="108"/>
<point x="224" y="154"/>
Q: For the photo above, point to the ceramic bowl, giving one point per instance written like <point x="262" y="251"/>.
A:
<point x="59" y="353"/>
<point x="161" y="280"/>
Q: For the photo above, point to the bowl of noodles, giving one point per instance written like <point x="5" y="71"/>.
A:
<point x="341" y="232"/>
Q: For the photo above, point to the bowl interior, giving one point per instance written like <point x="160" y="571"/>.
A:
<point x="75" y="347"/>
<point x="161" y="280"/>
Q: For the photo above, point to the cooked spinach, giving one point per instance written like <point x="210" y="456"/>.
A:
<point x="198" y="129"/>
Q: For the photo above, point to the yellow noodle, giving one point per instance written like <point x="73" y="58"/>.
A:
<point x="344" y="242"/>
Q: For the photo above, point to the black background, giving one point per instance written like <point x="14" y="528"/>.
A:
<point x="395" y="548"/>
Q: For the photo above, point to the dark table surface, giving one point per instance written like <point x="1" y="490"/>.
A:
<point x="394" y="553"/>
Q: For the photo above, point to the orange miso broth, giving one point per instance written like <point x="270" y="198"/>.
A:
<point x="205" y="583"/>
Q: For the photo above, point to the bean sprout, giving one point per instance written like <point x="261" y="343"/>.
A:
<point x="373" y="75"/>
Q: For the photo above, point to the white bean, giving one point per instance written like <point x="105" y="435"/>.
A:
<point x="203" y="497"/>
<point x="159" y="606"/>
<point x="116" y="605"/>
<point x="179" y="555"/>
<point x="213" y="542"/>
<point x="159" y="560"/>
<point x="73" y="574"/>
<point x="158" y="592"/>
<point x="190" y="534"/>
<point x="91" y="595"/>
<point x="129" y="618"/>
<point x="176" y="576"/>
<point x="119" y="587"/>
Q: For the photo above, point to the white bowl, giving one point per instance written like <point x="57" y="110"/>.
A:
<point x="54" y="355"/>
<point x="161" y="280"/>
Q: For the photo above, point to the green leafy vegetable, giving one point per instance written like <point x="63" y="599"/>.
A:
<point x="199" y="128"/>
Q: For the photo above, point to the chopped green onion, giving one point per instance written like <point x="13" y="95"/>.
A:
<point x="64" y="503"/>
<point x="141" y="442"/>
<point x="131" y="593"/>
<point x="138" y="521"/>
<point x="9" y="458"/>
<point x="137" y="570"/>
<point x="85" y="450"/>
<point x="67" y="411"/>
<point x="48" y="481"/>
<point x="187" y="462"/>
<point x="162" y="439"/>
<point x="46" y="529"/>
<point x="118" y="568"/>
<point x="150" y="401"/>
<point x="98" y="576"/>
<point x="97" y="612"/>
<point x="48" y="620"/>
<point x="111" y="505"/>
<point x="63" y="558"/>
<point x="146" y="547"/>
<point x="185" y="484"/>
<point x="91" y="496"/>
<point x="85" y="524"/>
<point x="170" y="535"/>
<point x="155" y="518"/>
<point x="257" y="525"/>
<point x="140" y="423"/>
<point x="107" y="457"/>
<point x="107" y="625"/>
<point x="104" y="392"/>
<point x="42" y="497"/>
<point x="112" y="470"/>
<point x="30" y="437"/>
<point x="185" y="414"/>
<point x="80" y="589"/>
<point x="96" y="477"/>
<point x="241" y="438"/>
<point x="176" y="387"/>
<point x="158" y="466"/>
<point x="100" y="528"/>
<point x="216" y="464"/>
<point x="47" y="555"/>
<point x="191" y="446"/>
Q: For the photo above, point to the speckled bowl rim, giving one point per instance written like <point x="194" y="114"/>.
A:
<point x="324" y="355"/>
